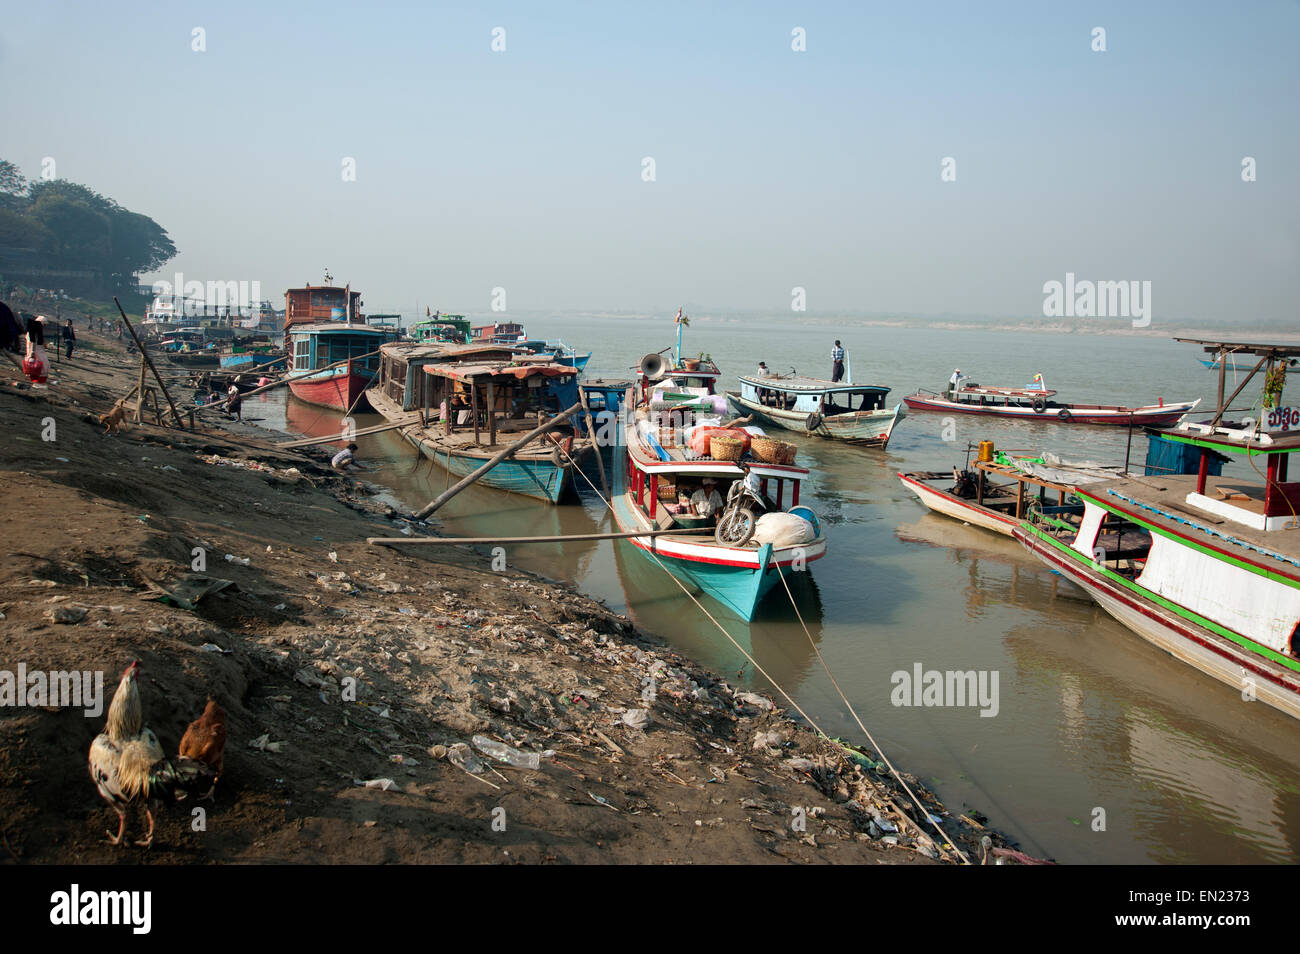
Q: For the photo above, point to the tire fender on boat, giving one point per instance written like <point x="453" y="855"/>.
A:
<point x="1065" y="415"/>
<point x="1040" y="405"/>
<point x="813" y="422"/>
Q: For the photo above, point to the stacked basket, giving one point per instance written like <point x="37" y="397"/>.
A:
<point x="726" y="448"/>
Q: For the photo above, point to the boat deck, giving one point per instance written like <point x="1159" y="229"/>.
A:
<point x="1275" y="550"/>
<point x="802" y="383"/>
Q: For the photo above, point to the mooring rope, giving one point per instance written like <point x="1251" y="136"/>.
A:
<point x="946" y="839"/>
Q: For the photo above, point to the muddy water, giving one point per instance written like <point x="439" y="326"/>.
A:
<point x="1093" y="728"/>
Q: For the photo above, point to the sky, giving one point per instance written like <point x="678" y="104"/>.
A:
<point x="523" y="169"/>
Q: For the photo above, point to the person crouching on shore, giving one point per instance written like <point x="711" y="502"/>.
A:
<point x="346" y="460"/>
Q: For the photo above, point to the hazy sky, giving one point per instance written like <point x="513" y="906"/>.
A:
<point x="522" y="169"/>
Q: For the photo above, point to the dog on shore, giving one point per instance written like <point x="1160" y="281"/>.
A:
<point x="114" y="419"/>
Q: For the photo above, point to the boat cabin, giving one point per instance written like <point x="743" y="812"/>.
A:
<point x="811" y="395"/>
<point x="315" y="346"/>
<point x="316" y="303"/>
<point x="662" y="490"/>
<point x="489" y="389"/>
<point x="451" y="329"/>
<point x="504" y="332"/>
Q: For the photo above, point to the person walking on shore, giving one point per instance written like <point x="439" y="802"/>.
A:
<point x="837" y="362"/>
<point x="69" y="339"/>
<point x="234" y="403"/>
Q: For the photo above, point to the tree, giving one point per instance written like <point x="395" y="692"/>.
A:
<point x="81" y="234"/>
<point x="13" y="186"/>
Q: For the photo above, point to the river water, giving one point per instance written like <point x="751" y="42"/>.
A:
<point x="1102" y="749"/>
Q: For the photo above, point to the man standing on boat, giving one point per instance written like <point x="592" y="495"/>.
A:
<point x="837" y="362"/>
<point x="954" y="383"/>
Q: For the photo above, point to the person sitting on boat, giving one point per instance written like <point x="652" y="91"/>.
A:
<point x="837" y="361"/>
<point x="706" y="502"/>
<point x="346" y="460"/>
<point x="763" y="369"/>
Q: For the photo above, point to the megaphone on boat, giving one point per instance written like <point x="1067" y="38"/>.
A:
<point x="653" y="366"/>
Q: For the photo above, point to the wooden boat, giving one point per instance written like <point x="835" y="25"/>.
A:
<point x="492" y="395"/>
<point x="559" y="350"/>
<point x="333" y="350"/>
<point x="442" y="329"/>
<point x="855" y="413"/>
<point x="737" y="575"/>
<point x="503" y="332"/>
<point x="1035" y="404"/>
<point x="1211" y="575"/>
<point x="315" y="376"/>
<point x="1000" y="492"/>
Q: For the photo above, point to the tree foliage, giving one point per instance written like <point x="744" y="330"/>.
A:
<point x="72" y="226"/>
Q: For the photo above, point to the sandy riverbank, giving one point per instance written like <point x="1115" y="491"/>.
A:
<point x="441" y="648"/>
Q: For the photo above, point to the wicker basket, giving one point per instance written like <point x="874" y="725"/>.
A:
<point x="771" y="451"/>
<point x="725" y="448"/>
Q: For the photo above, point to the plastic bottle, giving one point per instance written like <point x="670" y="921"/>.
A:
<point x="504" y="753"/>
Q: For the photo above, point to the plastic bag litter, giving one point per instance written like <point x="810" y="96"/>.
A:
<point x="511" y="756"/>
<point x="783" y="530"/>
<point x="636" y="718"/>
<point x="754" y="699"/>
<point x="383" y="784"/>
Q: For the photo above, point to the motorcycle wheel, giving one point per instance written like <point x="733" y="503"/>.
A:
<point x="735" y="527"/>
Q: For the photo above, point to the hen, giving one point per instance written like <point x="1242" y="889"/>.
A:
<point x="205" y="739"/>
<point x="128" y="765"/>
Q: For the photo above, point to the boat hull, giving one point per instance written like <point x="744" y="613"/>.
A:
<point x="737" y="578"/>
<point x="540" y="478"/>
<point x="867" y="428"/>
<point x="1152" y="416"/>
<point x="959" y="508"/>
<point x="1176" y="634"/>
<point x="244" y="362"/>
<point x="338" y="388"/>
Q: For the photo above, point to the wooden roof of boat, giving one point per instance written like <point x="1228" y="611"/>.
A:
<point x="339" y="327"/>
<point x="805" y="384"/>
<point x="1229" y="440"/>
<point x="1244" y="347"/>
<point x="463" y="371"/>
<point x="1162" y="500"/>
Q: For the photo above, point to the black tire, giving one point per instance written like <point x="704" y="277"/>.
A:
<point x="813" y="422"/>
<point x="1064" y="415"/>
<point x="735" y="527"/>
<point x="1040" y="405"/>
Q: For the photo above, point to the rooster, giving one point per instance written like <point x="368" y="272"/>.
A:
<point x="205" y="739"/>
<point x="128" y="765"/>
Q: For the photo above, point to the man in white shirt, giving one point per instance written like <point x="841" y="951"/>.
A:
<point x="954" y="382"/>
<point x="706" y="501"/>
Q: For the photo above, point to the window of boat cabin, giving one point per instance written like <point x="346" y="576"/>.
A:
<point x="301" y="353"/>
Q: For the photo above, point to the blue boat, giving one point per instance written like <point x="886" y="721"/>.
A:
<point x="460" y="405"/>
<point x="559" y="351"/>
<point x="655" y="490"/>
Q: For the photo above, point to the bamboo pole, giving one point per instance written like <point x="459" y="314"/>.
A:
<point x="376" y="429"/>
<point x="145" y="356"/>
<point x="496" y="459"/>
<point x="276" y="384"/>
<point x="139" y="393"/>
<point x="591" y="432"/>
<point x="560" y="538"/>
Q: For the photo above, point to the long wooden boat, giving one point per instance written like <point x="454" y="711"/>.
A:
<point x="1037" y="404"/>
<point x="1210" y="574"/>
<point x="470" y="401"/>
<point x="1000" y="492"/>
<point x="855" y="413"/>
<point x="660" y="463"/>
<point x="315" y="347"/>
